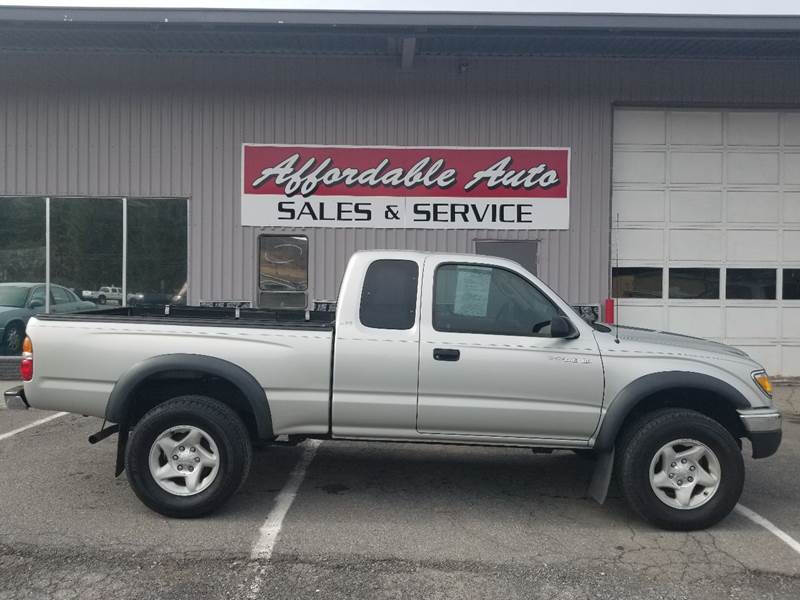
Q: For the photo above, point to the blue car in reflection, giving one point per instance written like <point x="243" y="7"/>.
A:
<point x="20" y="301"/>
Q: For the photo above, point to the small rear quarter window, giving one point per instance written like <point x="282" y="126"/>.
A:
<point x="389" y="295"/>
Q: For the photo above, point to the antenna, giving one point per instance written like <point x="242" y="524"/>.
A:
<point x="616" y="300"/>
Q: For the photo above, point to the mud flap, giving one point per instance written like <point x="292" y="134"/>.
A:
<point x="601" y="476"/>
<point x="122" y="442"/>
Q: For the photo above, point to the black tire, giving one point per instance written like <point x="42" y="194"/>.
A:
<point x="221" y="423"/>
<point x="101" y="300"/>
<point x="12" y="339"/>
<point x="639" y="444"/>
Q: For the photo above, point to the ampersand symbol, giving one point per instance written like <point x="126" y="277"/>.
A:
<point x="392" y="213"/>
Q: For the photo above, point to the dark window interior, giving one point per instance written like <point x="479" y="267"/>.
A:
<point x="791" y="284"/>
<point x="636" y="282"/>
<point x="389" y="295"/>
<point x="750" y="284"/>
<point x="478" y="299"/>
<point x="694" y="283"/>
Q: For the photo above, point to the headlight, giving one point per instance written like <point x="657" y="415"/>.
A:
<point x="762" y="381"/>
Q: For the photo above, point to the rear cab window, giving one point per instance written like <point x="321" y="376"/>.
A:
<point x="389" y="294"/>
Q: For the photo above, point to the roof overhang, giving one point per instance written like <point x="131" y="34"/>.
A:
<point x="400" y="34"/>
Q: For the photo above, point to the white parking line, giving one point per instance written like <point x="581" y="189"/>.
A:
<point x="268" y="533"/>
<point x="769" y="526"/>
<point x="14" y="432"/>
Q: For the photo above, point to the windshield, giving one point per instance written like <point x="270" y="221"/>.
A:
<point x="11" y="295"/>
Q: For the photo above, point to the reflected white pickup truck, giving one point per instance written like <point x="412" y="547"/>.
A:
<point x="435" y="348"/>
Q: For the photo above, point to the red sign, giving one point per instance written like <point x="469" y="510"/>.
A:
<point x="381" y="186"/>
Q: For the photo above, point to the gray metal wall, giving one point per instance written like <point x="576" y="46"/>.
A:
<point x="172" y="125"/>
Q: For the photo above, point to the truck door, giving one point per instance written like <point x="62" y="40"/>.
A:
<point x="487" y="364"/>
<point x="376" y="349"/>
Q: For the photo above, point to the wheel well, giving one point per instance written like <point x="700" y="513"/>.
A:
<point x="164" y="385"/>
<point x="709" y="403"/>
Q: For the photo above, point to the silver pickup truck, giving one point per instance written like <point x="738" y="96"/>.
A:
<point x="434" y="348"/>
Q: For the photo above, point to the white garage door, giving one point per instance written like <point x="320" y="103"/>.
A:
<point x="706" y="211"/>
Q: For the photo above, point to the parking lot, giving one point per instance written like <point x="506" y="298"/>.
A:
<point x="377" y="521"/>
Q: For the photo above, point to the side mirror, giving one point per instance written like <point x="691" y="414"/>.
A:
<point x="560" y="327"/>
<point x="36" y="304"/>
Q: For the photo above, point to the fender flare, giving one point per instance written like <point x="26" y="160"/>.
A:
<point x="122" y="394"/>
<point x="630" y="396"/>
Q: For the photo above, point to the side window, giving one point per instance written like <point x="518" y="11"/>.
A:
<point x="37" y="295"/>
<point x="477" y="299"/>
<point x="60" y="295"/>
<point x="389" y="295"/>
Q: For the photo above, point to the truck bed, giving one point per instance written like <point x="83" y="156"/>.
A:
<point x="205" y="316"/>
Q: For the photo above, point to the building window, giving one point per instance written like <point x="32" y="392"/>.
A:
<point x="750" y="284"/>
<point x="282" y="271"/>
<point x="521" y="251"/>
<point x="389" y="295"/>
<point x="694" y="284"/>
<point x="491" y="300"/>
<point x="791" y="284"/>
<point x="636" y="282"/>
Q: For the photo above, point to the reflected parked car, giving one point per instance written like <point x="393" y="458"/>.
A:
<point x="107" y="293"/>
<point x="20" y="301"/>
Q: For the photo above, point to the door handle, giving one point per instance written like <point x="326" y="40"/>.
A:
<point x="446" y="354"/>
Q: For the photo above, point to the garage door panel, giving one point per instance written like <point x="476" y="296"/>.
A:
<point x="639" y="167"/>
<point x="753" y="129"/>
<point x="790" y="360"/>
<point x="644" y="245"/>
<point x="791" y="169"/>
<point x="695" y="245"/>
<point x="791" y="207"/>
<point x="791" y="246"/>
<point x="790" y="126"/>
<point x="695" y="167"/>
<point x="696" y="206"/>
<point x="751" y="322"/>
<point x="695" y="128"/>
<point x="791" y="322"/>
<point x="746" y="245"/>
<point x="639" y="127"/>
<point x="753" y="207"/>
<point x="638" y="205"/>
<point x="699" y="321"/>
<point x="753" y="168"/>
<point x="649" y="317"/>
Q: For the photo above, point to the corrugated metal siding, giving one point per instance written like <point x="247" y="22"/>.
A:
<point x="172" y="125"/>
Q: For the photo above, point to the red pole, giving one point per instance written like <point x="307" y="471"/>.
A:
<point x="609" y="310"/>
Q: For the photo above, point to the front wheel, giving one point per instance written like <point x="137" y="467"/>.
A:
<point x="680" y="469"/>
<point x="186" y="457"/>
<point x="12" y="339"/>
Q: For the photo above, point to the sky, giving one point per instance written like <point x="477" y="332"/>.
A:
<point x="717" y="7"/>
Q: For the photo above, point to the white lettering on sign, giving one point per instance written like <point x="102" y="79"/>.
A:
<point x="399" y="187"/>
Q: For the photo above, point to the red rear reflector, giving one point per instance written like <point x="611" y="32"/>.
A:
<point x="26" y="369"/>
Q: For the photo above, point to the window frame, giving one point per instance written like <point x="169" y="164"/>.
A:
<point x="260" y="291"/>
<point x="414" y="317"/>
<point x="491" y="266"/>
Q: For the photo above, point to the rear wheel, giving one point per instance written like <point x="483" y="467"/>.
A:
<point x="680" y="469"/>
<point x="187" y="456"/>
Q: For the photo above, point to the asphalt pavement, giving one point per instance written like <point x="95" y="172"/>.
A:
<point x="378" y="521"/>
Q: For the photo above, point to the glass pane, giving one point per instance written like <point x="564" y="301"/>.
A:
<point x="693" y="283"/>
<point x="22" y="264"/>
<point x="86" y="248"/>
<point x="791" y="284"/>
<point x="750" y="284"/>
<point x="636" y="282"/>
<point x="389" y="295"/>
<point x="157" y="251"/>
<point x="474" y="299"/>
<point x="283" y="269"/>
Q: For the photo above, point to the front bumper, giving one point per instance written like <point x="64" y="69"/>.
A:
<point x="763" y="427"/>
<point x="15" y="398"/>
